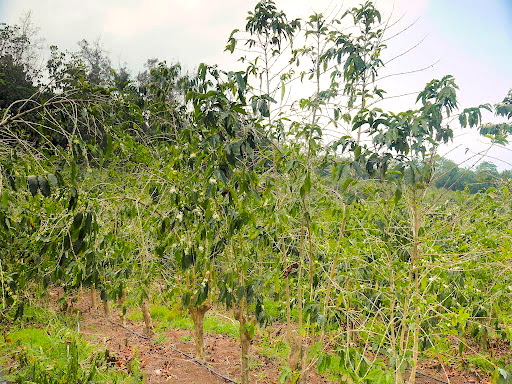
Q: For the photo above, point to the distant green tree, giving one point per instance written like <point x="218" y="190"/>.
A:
<point x="19" y="52"/>
<point x="450" y="176"/>
<point x="15" y="83"/>
<point x="96" y="59"/>
<point x="21" y="42"/>
<point x="487" y="175"/>
<point x="507" y="174"/>
<point x="486" y="167"/>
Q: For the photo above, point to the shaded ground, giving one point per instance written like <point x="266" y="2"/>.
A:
<point x="163" y="365"/>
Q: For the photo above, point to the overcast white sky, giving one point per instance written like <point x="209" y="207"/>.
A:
<point x="472" y="39"/>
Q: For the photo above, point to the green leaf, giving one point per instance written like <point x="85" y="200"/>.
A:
<point x="338" y="171"/>
<point x="108" y="148"/>
<point x="503" y="377"/>
<point x="60" y="179"/>
<point x="357" y="152"/>
<point x="19" y="310"/>
<point x="33" y="184"/>
<point x="242" y="83"/>
<point x="73" y="198"/>
<point x="77" y="220"/>
<point x="263" y="108"/>
<point x="324" y="360"/>
<point x="346" y="184"/>
<point x="286" y="373"/>
<point x="44" y="186"/>
<point x="73" y="171"/>
<point x="88" y="222"/>
<point x="185" y="299"/>
<point x="307" y="183"/>
<point x="398" y="193"/>
<point x="53" y="180"/>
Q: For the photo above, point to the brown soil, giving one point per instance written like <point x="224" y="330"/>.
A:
<point x="163" y="365"/>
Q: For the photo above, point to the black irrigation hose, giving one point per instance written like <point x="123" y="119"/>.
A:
<point x="180" y="352"/>
<point x="431" y="377"/>
<point x="204" y="365"/>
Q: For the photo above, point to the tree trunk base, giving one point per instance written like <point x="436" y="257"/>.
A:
<point x="295" y="355"/>
<point x="106" y="309"/>
<point x="149" y="330"/>
<point x="94" y="300"/>
<point x="197" y="314"/>
<point x="122" y="317"/>
<point x="245" y="343"/>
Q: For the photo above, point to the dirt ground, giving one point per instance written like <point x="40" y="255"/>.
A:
<point x="163" y="365"/>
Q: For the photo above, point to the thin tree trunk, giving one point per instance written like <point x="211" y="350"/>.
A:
<point x="245" y="342"/>
<point x="106" y="309"/>
<point x="304" y="375"/>
<point x="333" y="272"/>
<point x="415" y="256"/>
<point x="295" y="355"/>
<point x="398" y="372"/>
<point x="415" y="351"/>
<point x="149" y="330"/>
<point x="392" y="323"/>
<point x="297" y="347"/>
<point x="240" y="315"/>
<point x="123" y="308"/>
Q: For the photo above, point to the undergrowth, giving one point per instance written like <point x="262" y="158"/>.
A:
<point x="47" y="348"/>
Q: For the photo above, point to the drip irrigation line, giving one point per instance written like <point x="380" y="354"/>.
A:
<point x="432" y="377"/>
<point x="211" y="370"/>
<point x="203" y="365"/>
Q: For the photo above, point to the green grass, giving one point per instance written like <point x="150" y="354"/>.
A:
<point x="186" y="338"/>
<point x="273" y="349"/>
<point x="166" y="318"/>
<point x="214" y="323"/>
<point x="276" y="310"/>
<point x="160" y="338"/>
<point x="46" y="349"/>
<point x="476" y="362"/>
<point x="40" y="315"/>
